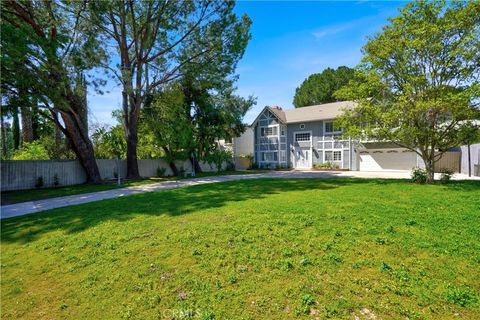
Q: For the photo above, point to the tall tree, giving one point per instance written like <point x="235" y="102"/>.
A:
<point x="420" y="80"/>
<point x="319" y="87"/>
<point x="45" y="44"/>
<point x="151" y="39"/>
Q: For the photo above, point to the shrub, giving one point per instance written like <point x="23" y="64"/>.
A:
<point x="56" y="181"/>
<point x="39" y="182"/>
<point x="230" y="166"/>
<point x="161" y="172"/>
<point x="326" y="165"/>
<point x="446" y="175"/>
<point x="254" y="165"/>
<point x="31" y="151"/>
<point x="419" y="175"/>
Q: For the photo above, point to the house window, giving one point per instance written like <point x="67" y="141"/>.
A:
<point x="302" y="126"/>
<point x="269" y="156"/>
<point x="331" y="128"/>
<point x="282" y="133"/>
<point x="333" y="155"/>
<point x="268" y="131"/>
<point x="283" y="156"/>
<point x="302" y="137"/>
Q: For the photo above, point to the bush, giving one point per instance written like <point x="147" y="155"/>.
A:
<point x="326" y="165"/>
<point x="254" y="165"/>
<point x="446" y="175"/>
<point x="56" y="181"/>
<point x="39" y="182"/>
<point x="419" y="175"/>
<point x="161" y="172"/>
<point x="230" y="166"/>
<point x="31" y="151"/>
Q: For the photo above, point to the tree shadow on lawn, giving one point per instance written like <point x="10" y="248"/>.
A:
<point x="171" y="202"/>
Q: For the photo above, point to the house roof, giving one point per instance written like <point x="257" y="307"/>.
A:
<point x="311" y="113"/>
<point x="317" y="112"/>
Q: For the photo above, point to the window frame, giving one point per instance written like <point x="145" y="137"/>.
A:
<point x="333" y="128"/>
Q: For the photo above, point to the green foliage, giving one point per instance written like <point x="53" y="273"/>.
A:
<point x="31" y="151"/>
<point x="109" y="143"/>
<point x="418" y="81"/>
<point x="56" y="180"/>
<point x="161" y="172"/>
<point x="319" y="87"/>
<point x="419" y="175"/>
<point x="446" y="175"/>
<point x="306" y="302"/>
<point x="462" y="296"/>
<point x="326" y="165"/>
<point x="218" y="158"/>
<point x="39" y="182"/>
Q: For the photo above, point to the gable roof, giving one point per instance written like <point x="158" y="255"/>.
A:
<point x="276" y="111"/>
<point x="318" y="112"/>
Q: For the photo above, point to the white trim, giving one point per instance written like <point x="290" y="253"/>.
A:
<point x="311" y="147"/>
<point x="333" y="150"/>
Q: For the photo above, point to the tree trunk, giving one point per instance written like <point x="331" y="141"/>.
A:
<point x="132" y="140"/>
<point x="16" y="130"/>
<point x="429" y="167"/>
<point x="57" y="134"/>
<point x="469" y="162"/>
<point x="171" y="162"/>
<point x="27" y="127"/>
<point x="4" y="138"/>
<point x="78" y="138"/>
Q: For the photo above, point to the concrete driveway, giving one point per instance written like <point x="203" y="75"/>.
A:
<point x="20" y="209"/>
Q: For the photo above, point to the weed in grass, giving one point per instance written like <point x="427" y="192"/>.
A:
<point x="232" y="279"/>
<point x="305" y="304"/>
<point x="196" y="252"/>
<point x="334" y="258"/>
<point x="384" y="267"/>
<point x="410" y="223"/>
<point x="462" y="296"/>
<point x="305" y="261"/>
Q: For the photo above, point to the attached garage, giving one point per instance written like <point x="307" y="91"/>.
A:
<point x="390" y="159"/>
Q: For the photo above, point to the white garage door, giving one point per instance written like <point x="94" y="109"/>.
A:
<point x="387" y="160"/>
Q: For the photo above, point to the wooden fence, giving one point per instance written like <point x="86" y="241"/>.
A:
<point x="24" y="174"/>
<point x="449" y="160"/>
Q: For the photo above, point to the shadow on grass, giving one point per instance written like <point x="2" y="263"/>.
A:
<point x="173" y="202"/>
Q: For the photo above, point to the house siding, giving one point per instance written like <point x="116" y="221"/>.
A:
<point x="284" y="146"/>
<point x="270" y="151"/>
<point x="321" y="142"/>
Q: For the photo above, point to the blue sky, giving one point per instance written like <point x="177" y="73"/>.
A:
<point x="290" y="41"/>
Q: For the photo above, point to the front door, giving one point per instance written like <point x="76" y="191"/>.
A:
<point x="303" y="158"/>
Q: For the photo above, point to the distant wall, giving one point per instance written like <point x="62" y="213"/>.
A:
<point x="474" y="157"/>
<point x="243" y="145"/>
<point x="23" y="174"/>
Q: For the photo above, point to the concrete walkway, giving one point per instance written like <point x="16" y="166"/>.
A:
<point x="20" y="209"/>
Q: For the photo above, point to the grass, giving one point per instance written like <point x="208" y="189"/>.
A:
<point x="11" y="197"/>
<point x="251" y="249"/>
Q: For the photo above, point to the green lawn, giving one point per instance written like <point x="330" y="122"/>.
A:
<point x="252" y="249"/>
<point x="11" y="197"/>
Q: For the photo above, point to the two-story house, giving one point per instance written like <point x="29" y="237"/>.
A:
<point x="303" y="137"/>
